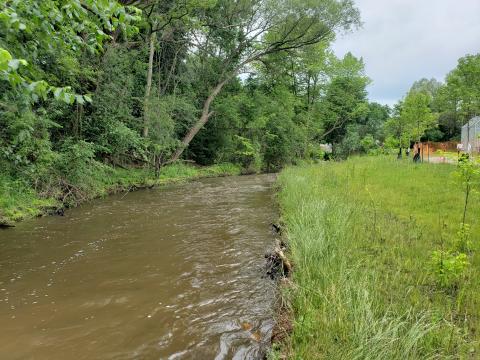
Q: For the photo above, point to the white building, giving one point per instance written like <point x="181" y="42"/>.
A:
<point x="471" y="135"/>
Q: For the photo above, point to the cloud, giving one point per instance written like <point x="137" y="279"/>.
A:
<point x="405" y="40"/>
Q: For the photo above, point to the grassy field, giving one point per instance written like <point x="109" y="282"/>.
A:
<point x="361" y="235"/>
<point x="18" y="200"/>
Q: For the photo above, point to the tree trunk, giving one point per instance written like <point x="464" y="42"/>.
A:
<point x="467" y="194"/>
<point x="314" y="89"/>
<point x="148" y="87"/>
<point x="308" y="91"/>
<point x="201" y="122"/>
<point x="170" y="74"/>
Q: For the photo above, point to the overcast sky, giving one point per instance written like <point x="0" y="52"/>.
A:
<point x="404" y="40"/>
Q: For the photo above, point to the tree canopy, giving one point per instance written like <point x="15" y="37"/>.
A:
<point x="436" y="111"/>
<point x="104" y="83"/>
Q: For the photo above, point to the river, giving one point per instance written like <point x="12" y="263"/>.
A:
<point x="167" y="273"/>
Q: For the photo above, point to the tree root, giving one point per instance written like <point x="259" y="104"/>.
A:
<point x="279" y="250"/>
<point x="278" y="266"/>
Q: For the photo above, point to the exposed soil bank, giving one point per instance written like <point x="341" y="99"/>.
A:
<point x="279" y="268"/>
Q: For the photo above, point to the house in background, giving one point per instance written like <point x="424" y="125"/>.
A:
<point x="471" y="135"/>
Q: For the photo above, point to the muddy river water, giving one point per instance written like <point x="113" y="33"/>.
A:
<point x="169" y="273"/>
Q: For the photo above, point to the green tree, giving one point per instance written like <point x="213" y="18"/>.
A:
<point x="42" y="47"/>
<point x="32" y="29"/>
<point x="417" y="115"/>
<point x="463" y="86"/>
<point x="345" y="101"/>
<point x="429" y="87"/>
<point x="397" y="129"/>
<point x="411" y="118"/>
<point x="238" y="34"/>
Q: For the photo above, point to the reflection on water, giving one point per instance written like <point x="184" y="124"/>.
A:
<point x="172" y="273"/>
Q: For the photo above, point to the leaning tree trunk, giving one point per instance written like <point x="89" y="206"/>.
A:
<point x="201" y="122"/>
<point x="148" y="87"/>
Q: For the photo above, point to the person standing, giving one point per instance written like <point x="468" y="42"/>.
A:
<point x="416" y="158"/>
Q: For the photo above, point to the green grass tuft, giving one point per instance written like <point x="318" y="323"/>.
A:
<point x="19" y="201"/>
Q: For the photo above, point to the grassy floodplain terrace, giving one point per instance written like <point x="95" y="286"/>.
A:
<point x="362" y="236"/>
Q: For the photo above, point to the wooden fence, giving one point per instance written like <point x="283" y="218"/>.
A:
<point x="431" y="148"/>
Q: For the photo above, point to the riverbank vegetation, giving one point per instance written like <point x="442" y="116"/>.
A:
<point x="142" y="84"/>
<point x="86" y="85"/>
<point x="364" y="236"/>
<point x="18" y="200"/>
<point x="99" y="96"/>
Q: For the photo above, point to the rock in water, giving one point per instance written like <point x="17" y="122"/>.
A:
<point x="4" y="223"/>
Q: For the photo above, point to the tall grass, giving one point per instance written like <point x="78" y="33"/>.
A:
<point x="361" y="235"/>
<point x="18" y="200"/>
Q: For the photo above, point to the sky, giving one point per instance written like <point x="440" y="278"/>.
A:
<point x="402" y="41"/>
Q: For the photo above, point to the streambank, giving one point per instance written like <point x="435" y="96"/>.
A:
<point x="19" y="200"/>
<point x="361" y="235"/>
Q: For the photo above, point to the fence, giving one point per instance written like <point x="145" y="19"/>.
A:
<point x="471" y="136"/>
<point x="431" y="151"/>
<point x="432" y="148"/>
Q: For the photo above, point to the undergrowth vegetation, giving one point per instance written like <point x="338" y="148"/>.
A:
<point x="363" y="235"/>
<point x="86" y="179"/>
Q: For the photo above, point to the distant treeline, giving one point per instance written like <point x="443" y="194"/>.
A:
<point x="436" y="111"/>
